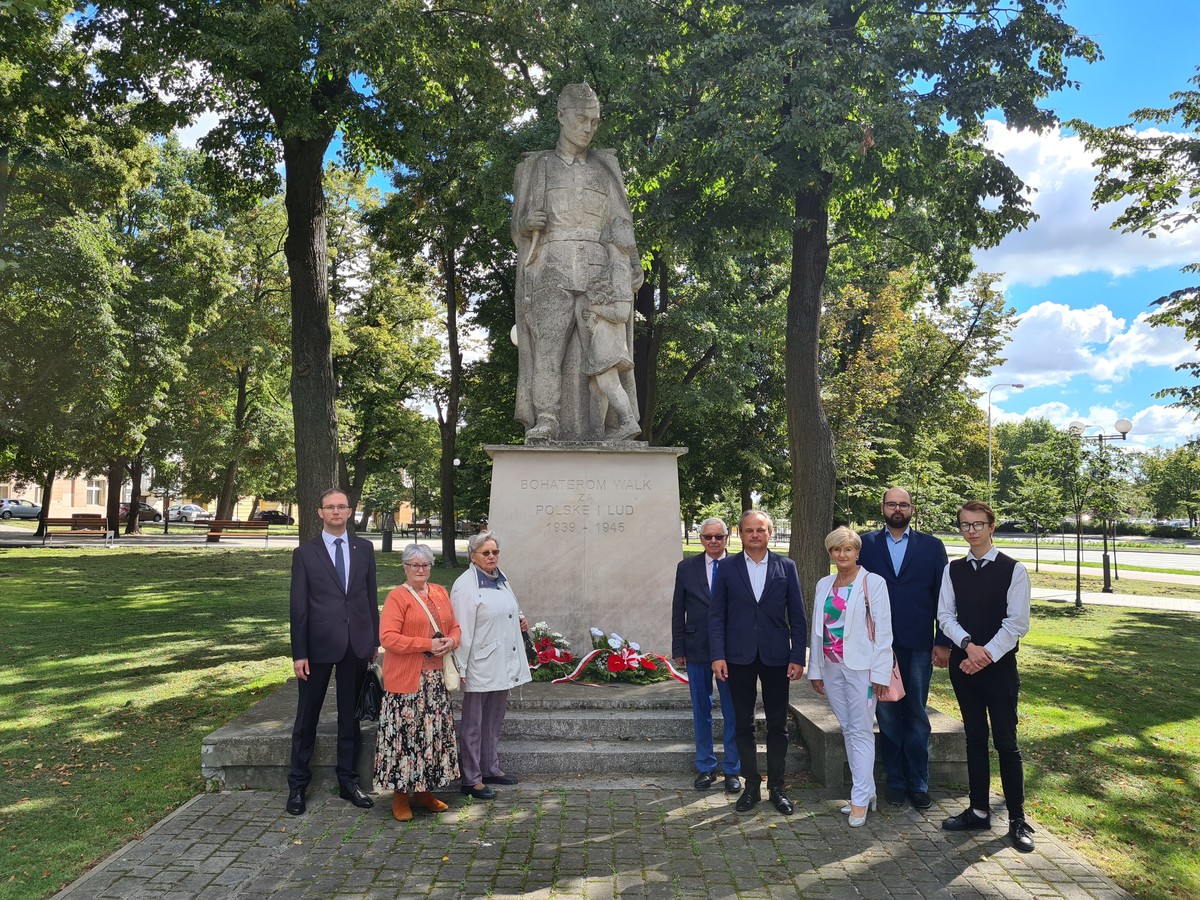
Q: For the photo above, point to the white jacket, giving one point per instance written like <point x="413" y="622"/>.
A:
<point x="857" y="651"/>
<point x="491" y="656"/>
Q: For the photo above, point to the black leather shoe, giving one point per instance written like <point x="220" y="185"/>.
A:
<point x="895" y="796"/>
<point x="354" y="794"/>
<point x="733" y="784"/>
<point x="704" y="781"/>
<point x="781" y="802"/>
<point x="750" y="798"/>
<point x="920" y="799"/>
<point x="483" y="793"/>
<point x="1020" y="833"/>
<point x="295" y="804"/>
<point x="966" y="821"/>
<point x="501" y="779"/>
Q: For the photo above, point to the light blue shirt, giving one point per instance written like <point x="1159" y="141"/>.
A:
<point x="331" y="548"/>
<point x="758" y="575"/>
<point x="897" y="548"/>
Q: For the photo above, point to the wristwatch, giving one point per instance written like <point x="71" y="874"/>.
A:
<point x="962" y="645"/>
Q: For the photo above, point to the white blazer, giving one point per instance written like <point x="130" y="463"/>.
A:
<point x="857" y="649"/>
<point x="491" y="656"/>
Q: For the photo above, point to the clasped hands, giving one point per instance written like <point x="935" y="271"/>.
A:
<point x="441" y="646"/>
<point x="977" y="660"/>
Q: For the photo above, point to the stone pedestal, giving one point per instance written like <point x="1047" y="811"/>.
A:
<point x="590" y="537"/>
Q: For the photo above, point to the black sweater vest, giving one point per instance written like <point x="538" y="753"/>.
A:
<point x="981" y="596"/>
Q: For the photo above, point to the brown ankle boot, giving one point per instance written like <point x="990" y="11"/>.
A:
<point x="429" y="802"/>
<point x="401" y="811"/>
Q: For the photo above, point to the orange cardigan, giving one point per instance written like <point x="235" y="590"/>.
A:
<point x="406" y="635"/>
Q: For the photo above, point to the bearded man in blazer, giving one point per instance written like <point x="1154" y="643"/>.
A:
<point x="334" y="625"/>
<point x="757" y="633"/>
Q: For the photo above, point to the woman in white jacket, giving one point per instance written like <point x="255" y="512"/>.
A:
<point x="845" y="665"/>
<point x="491" y="660"/>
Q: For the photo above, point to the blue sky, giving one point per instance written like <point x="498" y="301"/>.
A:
<point x="1082" y="291"/>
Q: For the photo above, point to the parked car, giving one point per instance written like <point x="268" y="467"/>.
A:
<point x="188" y="512"/>
<point x="146" y="513"/>
<point x="18" y="509"/>
<point x="273" y="516"/>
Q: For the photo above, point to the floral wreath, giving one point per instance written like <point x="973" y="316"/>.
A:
<point x="612" y="658"/>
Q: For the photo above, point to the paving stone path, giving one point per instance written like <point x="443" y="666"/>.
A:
<point x="556" y="841"/>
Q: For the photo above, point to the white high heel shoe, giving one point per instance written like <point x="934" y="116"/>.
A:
<point x="859" y="821"/>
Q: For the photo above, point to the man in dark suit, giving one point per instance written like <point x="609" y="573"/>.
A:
<point x="757" y="632"/>
<point x="335" y="625"/>
<point x="689" y="645"/>
<point x="911" y="563"/>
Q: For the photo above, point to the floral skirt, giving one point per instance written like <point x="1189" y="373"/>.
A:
<point x="416" y="749"/>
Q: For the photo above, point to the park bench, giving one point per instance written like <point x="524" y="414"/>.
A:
<point x="81" y="525"/>
<point x="228" y="528"/>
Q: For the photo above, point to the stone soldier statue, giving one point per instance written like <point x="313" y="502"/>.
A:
<point x="577" y="270"/>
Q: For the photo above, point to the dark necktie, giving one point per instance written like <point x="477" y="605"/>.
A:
<point x="978" y="563"/>
<point x="339" y="562"/>
<point x="716" y="562"/>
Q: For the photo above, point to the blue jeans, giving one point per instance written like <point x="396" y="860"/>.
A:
<point x="904" y="725"/>
<point x="700" y="683"/>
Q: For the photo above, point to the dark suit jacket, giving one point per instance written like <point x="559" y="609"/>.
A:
<point x="914" y="589"/>
<point x="325" y="618"/>
<point x="774" y="629"/>
<point x="689" y="609"/>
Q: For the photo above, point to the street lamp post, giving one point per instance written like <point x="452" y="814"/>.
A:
<point x="1123" y="427"/>
<point x="1019" y="387"/>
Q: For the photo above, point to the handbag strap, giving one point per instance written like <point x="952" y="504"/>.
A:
<point x="417" y="597"/>
<point x="867" y="602"/>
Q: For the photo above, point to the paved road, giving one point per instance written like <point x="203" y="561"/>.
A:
<point x="615" y="841"/>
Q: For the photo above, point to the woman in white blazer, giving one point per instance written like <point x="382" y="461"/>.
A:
<point x="845" y="665"/>
<point x="491" y="660"/>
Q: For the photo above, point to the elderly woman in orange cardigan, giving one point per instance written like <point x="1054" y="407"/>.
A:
<point x="416" y="750"/>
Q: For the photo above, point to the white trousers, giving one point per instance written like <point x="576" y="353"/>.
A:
<point x="853" y="702"/>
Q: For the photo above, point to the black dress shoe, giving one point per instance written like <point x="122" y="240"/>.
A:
<point x="966" y="821"/>
<point x="501" y="779"/>
<point x="704" y="781"/>
<point x="354" y="794"/>
<point x="733" y="784"/>
<point x="750" y="798"/>
<point x="1020" y="833"/>
<point x="920" y="799"/>
<point x="295" y="804"/>
<point x="483" y="793"/>
<point x="781" y="802"/>
<point x="895" y="796"/>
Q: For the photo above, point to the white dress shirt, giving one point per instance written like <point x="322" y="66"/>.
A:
<point x="758" y="574"/>
<point x="708" y="566"/>
<point x="331" y="547"/>
<point x="1016" y="620"/>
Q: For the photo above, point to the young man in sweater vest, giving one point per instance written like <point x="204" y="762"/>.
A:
<point x="984" y="609"/>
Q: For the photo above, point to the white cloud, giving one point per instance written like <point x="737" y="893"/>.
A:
<point x="1071" y="238"/>
<point x="1153" y="426"/>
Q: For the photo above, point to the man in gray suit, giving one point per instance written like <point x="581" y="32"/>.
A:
<point x="689" y="645"/>
<point x="334" y="625"/>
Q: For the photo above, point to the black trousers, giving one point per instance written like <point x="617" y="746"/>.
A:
<point x="351" y="672"/>
<point x="743" y="686"/>
<point x="991" y="694"/>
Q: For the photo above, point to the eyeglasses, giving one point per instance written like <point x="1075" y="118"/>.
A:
<point x="892" y="505"/>
<point x="417" y="565"/>
<point x="341" y="507"/>
<point x="488" y="552"/>
<point x="973" y="526"/>
<point x="713" y="537"/>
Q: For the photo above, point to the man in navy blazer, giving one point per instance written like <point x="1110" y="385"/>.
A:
<point x="689" y="645"/>
<point x="757" y="632"/>
<point x="335" y="625"/>
<point x="912" y="564"/>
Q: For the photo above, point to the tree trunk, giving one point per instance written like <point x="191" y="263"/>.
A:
<point x="448" y="423"/>
<point x="133" y="524"/>
<point x="313" y="388"/>
<point x="227" y="502"/>
<point x="115" y="473"/>
<point x="651" y="302"/>
<point x="47" y="488"/>
<point x="810" y="441"/>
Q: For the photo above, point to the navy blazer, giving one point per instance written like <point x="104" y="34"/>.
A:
<point x="689" y="608"/>
<point x="773" y="629"/>
<point x="914" y="589"/>
<point x="326" y="619"/>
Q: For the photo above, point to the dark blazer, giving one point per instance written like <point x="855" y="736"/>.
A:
<point x="325" y="618"/>
<point x="689" y="608"/>
<point x="914" y="589"/>
<point x="774" y="629"/>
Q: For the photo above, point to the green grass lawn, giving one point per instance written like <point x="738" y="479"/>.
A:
<point x="114" y="664"/>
